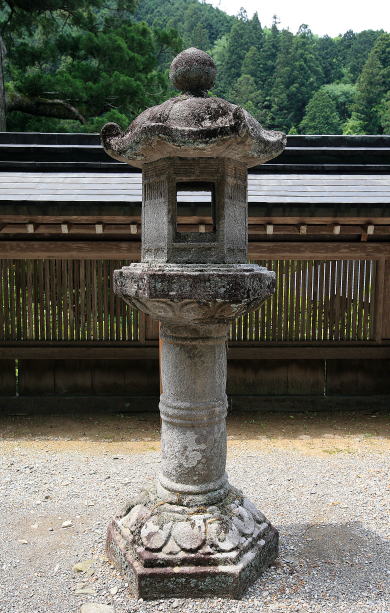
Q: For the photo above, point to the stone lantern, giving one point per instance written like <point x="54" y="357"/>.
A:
<point x="193" y="534"/>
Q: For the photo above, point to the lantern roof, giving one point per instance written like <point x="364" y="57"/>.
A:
<point x="193" y="124"/>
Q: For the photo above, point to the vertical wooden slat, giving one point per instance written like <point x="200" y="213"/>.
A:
<point x="348" y="304"/>
<point x="88" y="299"/>
<point x="13" y="300"/>
<point x="117" y="318"/>
<point x="93" y="289"/>
<point x="305" y="320"/>
<point x="327" y="300"/>
<point x="82" y="301"/>
<point x="359" y="325"/>
<point x="40" y="299"/>
<point x="16" y="297"/>
<point x="282" y="297"/>
<point x="281" y="289"/>
<point x="290" y="292"/>
<point x="321" y="315"/>
<point x="71" y="298"/>
<point x="336" y="299"/>
<point x="112" y="306"/>
<point x="298" y="314"/>
<point x="4" y="303"/>
<point x="101" y="287"/>
<point x="35" y="293"/>
<point x="64" y="301"/>
<point x="268" y="308"/>
<point x="372" y="310"/>
<point x="46" y="279"/>
<point x="8" y="289"/>
<point x="366" y="299"/>
<point x="23" y="302"/>
<point x="314" y="301"/>
<point x="76" y="299"/>
<point x="259" y="323"/>
<point x="308" y="305"/>
<point x="105" y="316"/>
<point x="3" y="306"/>
<point x="376" y="330"/>
<point x="245" y="326"/>
<point x="344" y="300"/>
<point x="290" y="303"/>
<point x="56" y="282"/>
<point x="355" y="299"/>
<point x="275" y="299"/>
<point x="142" y="327"/>
<point x="286" y="298"/>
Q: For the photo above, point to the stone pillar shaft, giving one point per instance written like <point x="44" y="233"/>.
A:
<point x="193" y="409"/>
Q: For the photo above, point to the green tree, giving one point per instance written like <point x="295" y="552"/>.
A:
<point x="321" y="116"/>
<point x="344" y="95"/>
<point x="269" y="54"/>
<point x="354" y="49"/>
<point x="242" y="36"/>
<point x="16" y="16"/>
<point x="256" y="32"/>
<point x="297" y="76"/>
<point x="360" y="49"/>
<point x="373" y="85"/>
<point x="329" y="58"/>
<point x="184" y="15"/>
<point x="245" y="91"/>
<point x="68" y="72"/>
<point x="200" y="37"/>
<point x="353" y="125"/>
<point x="384" y="113"/>
<point x="251" y="65"/>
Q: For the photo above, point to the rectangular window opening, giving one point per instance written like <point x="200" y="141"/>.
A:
<point x="199" y="194"/>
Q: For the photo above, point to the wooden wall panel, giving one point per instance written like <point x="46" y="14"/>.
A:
<point x="87" y="377"/>
<point x="276" y="377"/>
<point x="37" y="377"/>
<point x="358" y="377"/>
<point x="132" y="377"/>
<point x="142" y="377"/>
<point x="7" y="378"/>
<point x="73" y="377"/>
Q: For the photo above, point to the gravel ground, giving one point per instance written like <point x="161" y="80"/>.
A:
<point x="324" y="483"/>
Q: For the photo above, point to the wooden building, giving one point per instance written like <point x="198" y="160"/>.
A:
<point x="319" y="215"/>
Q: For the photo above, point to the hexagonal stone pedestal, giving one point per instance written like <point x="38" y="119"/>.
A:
<point x="168" y="550"/>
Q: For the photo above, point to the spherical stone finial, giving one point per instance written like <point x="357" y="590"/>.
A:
<point x="193" y="72"/>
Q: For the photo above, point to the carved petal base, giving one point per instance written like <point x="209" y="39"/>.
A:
<point x="167" y="550"/>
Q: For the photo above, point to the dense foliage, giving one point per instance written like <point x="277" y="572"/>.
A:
<point x="74" y="65"/>
<point x="76" y="68"/>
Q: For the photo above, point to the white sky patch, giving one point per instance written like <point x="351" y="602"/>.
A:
<point x="331" y="17"/>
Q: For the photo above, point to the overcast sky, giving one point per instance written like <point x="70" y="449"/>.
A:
<point x="325" y="17"/>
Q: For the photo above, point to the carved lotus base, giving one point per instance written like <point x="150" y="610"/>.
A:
<point x="167" y="550"/>
<point x="194" y="293"/>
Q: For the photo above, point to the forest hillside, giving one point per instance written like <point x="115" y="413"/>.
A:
<point x="99" y="61"/>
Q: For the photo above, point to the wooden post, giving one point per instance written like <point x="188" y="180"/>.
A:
<point x="379" y="294"/>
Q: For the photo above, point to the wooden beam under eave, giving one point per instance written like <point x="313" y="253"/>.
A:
<point x="111" y="250"/>
<point x="321" y="250"/>
<point x="70" y="250"/>
<point x="236" y="352"/>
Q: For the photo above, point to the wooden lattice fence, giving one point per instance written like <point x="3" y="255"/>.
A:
<point x="67" y="300"/>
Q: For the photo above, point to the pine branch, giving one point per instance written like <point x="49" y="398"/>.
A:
<point x="43" y="107"/>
